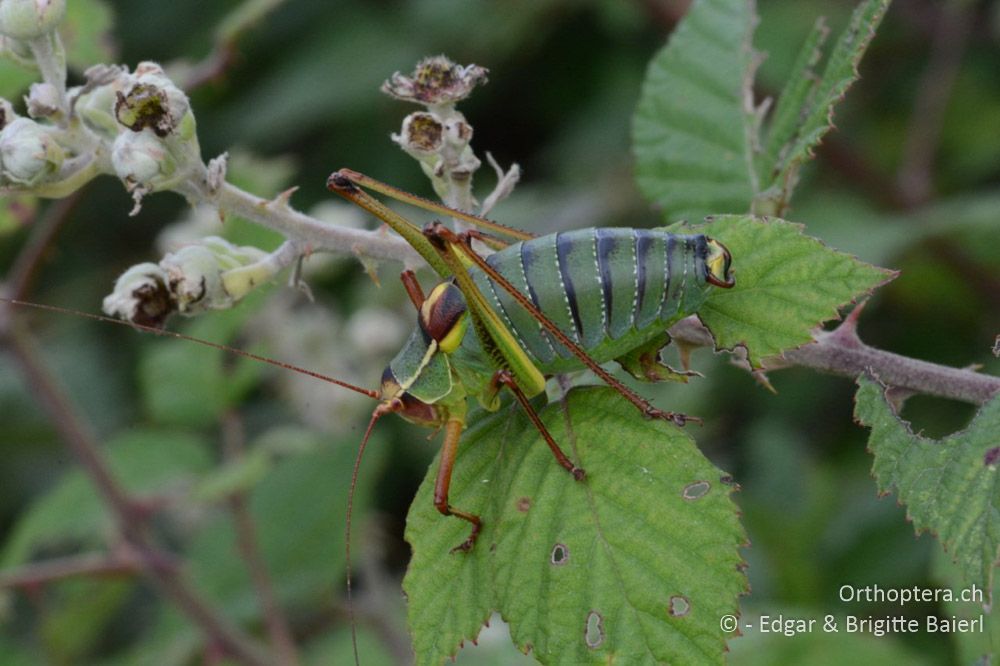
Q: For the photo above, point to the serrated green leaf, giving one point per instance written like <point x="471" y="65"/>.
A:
<point x="816" y="113"/>
<point x="797" y="95"/>
<point x="696" y="135"/>
<point x="787" y="284"/>
<point x="691" y="131"/>
<point x="950" y="486"/>
<point x="143" y="461"/>
<point x="636" y="563"/>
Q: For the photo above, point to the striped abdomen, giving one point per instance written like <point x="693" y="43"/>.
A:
<point x="608" y="289"/>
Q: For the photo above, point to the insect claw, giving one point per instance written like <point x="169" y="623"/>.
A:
<point x="676" y="418"/>
<point x="338" y="180"/>
<point x="465" y="546"/>
<point x="578" y="473"/>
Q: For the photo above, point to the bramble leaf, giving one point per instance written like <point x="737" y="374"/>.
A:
<point x="816" y="102"/>
<point x="787" y="284"/>
<point x="635" y="563"/>
<point x="690" y="129"/>
<point x="950" y="486"/>
<point x="697" y="135"/>
<point x="800" y="89"/>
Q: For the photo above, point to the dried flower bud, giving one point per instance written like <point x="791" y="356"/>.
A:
<point x="422" y="133"/>
<point x="141" y="160"/>
<point x="30" y="19"/>
<point x="436" y="81"/>
<point x="141" y="296"/>
<point x="152" y="101"/>
<point x="42" y="100"/>
<point x="28" y="152"/>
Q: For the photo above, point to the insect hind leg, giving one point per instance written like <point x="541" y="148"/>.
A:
<point x="504" y="378"/>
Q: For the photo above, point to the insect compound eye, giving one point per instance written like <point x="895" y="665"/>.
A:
<point x="443" y="316"/>
<point x="717" y="262"/>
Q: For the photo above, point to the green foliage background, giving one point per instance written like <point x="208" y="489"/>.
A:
<point x="565" y="78"/>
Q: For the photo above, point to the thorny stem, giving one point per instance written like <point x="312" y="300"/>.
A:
<point x="318" y="236"/>
<point x="841" y="352"/>
<point x="234" y="445"/>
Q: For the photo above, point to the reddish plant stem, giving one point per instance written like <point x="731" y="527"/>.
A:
<point x="841" y="352"/>
<point x="87" y="564"/>
<point x="129" y="514"/>
<point x="282" y="643"/>
<point x="44" y="231"/>
<point x="951" y="33"/>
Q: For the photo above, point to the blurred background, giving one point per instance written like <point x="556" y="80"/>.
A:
<point x="909" y="180"/>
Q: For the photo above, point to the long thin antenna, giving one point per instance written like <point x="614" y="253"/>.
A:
<point x="180" y="336"/>
<point x="383" y="408"/>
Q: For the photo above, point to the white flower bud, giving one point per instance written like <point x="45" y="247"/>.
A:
<point x="28" y="152"/>
<point x="30" y="19"/>
<point x="141" y="296"/>
<point x="42" y="100"/>
<point x="215" y="274"/>
<point x="141" y="160"/>
<point x="195" y="280"/>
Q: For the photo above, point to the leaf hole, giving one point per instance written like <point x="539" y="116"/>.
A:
<point x="560" y="555"/>
<point x="992" y="457"/>
<point x="696" y="490"/>
<point x="679" y="606"/>
<point x="523" y="504"/>
<point x="593" y="633"/>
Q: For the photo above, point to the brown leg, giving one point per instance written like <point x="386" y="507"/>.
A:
<point x="504" y="378"/>
<point x="452" y="434"/>
<point x="412" y="287"/>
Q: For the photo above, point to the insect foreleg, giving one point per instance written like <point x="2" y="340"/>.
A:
<point x="413" y="289"/>
<point x="452" y="435"/>
<point x="504" y="378"/>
